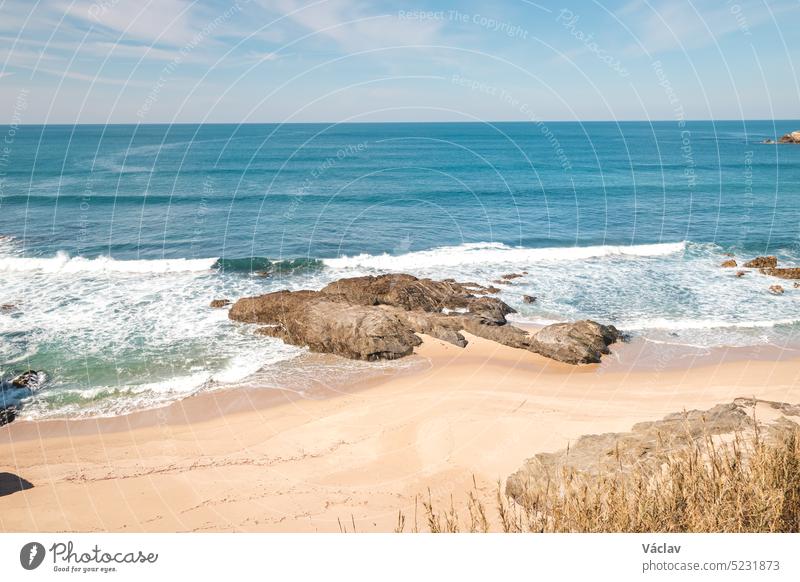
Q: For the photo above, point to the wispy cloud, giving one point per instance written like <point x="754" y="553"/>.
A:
<point x="353" y="26"/>
<point x="661" y="26"/>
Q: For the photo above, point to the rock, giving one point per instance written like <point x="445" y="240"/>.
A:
<point x="311" y="318"/>
<point x="729" y="263"/>
<point x="797" y="285"/>
<point x="372" y="318"/>
<point x="30" y="379"/>
<point x="741" y="273"/>
<point x="219" y="303"/>
<point x="762" y="263"/>
<point x="783" y="273"/>
<point x="501" y="282"/>
<point x="7" y="414"/>
<point x="581" y="342"/>
<point x="793" y="137"/>
<point x="511" y="276"/>
<point x="528" y="299"/>
<point x="7" y="308"/>
<point x="776" y="289"/>
<point x="769" y="141"/>
<point x="489" y="310"/>
<point x="650" y="442"/>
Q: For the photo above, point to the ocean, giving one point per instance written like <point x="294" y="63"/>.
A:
<point x="116" y="238"/>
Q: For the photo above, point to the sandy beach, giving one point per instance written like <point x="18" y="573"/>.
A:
<point x="265" y="460"/>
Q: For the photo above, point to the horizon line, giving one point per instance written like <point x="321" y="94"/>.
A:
<point x="487" y="122"/>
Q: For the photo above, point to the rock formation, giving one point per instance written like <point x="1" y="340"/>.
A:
<point x="651" y="442"/>
<point x="219" y="303"/>
<point x="776" y="289"/>
<point x="793" y="137"/>
<point x="762" y="263"/>
<point x="372" y="318"/>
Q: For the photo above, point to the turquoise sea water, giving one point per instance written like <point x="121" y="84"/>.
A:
<point x="117" y="237"/>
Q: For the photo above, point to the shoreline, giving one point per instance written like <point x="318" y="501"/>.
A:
<point x="264" y="460"/>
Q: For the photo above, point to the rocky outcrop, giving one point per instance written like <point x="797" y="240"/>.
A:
<point x="581" y="342"/>
<point x="651" y="442"/>
<point x="762" y="262"/>
<point x="371" y="318"/>
<point x="729" y="263"/>
<point x="776" y="289"/>
<point x="528" y="299"/>
<point x="783" y="273"/>
<point x="13" y="391"/>
<point x="219" y="303"/>
<point x="30" y="380"/>
<point x="793" y="137"/>
<point x="7" y="414"/>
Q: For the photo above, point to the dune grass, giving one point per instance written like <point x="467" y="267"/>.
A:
<point x="746" y="484"/>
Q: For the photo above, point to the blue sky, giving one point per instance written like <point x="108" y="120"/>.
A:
<point x="165" y="61"/>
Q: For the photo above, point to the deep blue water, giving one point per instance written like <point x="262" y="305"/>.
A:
<point x="323" y="190"/>
<point x="114" y="239"/>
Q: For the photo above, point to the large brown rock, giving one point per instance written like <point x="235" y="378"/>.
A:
<point x="581" y="342"/>
<point x="371" y="318"/>
<point x="312" y="319"/>
<point x="769" y="262"/>
<point x="793" y="137"/>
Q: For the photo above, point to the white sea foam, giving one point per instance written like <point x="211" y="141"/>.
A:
<point x="496" y="253"/>
<point x="63" y="263"/>
<point x="701" y="324"/>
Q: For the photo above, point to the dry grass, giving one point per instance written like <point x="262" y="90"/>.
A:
<point x="746" y="485"/>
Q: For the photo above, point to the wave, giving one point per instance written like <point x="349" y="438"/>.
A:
<point x="267" y="266"/>
<point x="698" y="324"/>
<point x="63" y="263"/>
<point x="497" y="253"/>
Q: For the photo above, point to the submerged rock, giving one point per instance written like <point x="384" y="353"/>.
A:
<point x="30" y="380"/>
<point x="371" y="318"/>
<point x="741" y="273"/>
<point x="762" y="262"/>
<point x="776" y="289"/>
<point x="528" y="299"/>
<point x="219" y="303"/>
<point x="729" y="263"/>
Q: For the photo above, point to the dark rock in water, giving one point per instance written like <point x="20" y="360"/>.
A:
<point x="7" y="414"/>
<point x="729" y="263"/>
<point x="528" y="299"/>
<point x="8" y="308"/>
<point x="30" y="379"/>
<point x="651" y="442"/>
<point x="793" y="137"/>
<point x="581" y="342"/>
<point x="769" y="262"/>
<point x="219" y="303"/>
<point x="769" y="141"/>
<point x="372" y="318"/>
<point x="776" y="289"/>
<point x="741" y="273"/>
<point x="511" y="276"/>
<point x="783" y="273"/>
<point x="797" y="285"/>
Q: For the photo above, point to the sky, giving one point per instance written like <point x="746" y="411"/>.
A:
<point x="178" y="61"/>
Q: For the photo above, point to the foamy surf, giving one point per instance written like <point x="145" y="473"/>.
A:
<point x="63" y="263"/>
<point x="471" y="254"/>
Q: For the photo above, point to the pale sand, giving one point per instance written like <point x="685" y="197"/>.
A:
<point x="267" y="461"/>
